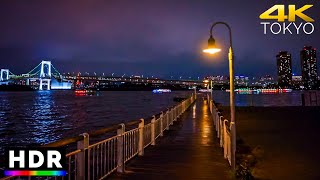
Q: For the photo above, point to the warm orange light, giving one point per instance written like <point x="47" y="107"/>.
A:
<point x="211" y="50"/>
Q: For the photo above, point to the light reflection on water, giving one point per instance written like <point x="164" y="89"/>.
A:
<point x="206" y="132"/>
<point x="43" y="120"/>
<point x="44" y="116"/>
<point x="194" y="114"/>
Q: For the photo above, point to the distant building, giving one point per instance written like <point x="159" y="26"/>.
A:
<point x="284" y="64"/>
<point x="309" y="67"/>
<point x="219" y="79"/>
<point x="264" y="81"/>
<point x="241" y="80"/>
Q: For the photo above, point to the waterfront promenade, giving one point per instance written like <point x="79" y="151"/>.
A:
<point x="189" y="150"/>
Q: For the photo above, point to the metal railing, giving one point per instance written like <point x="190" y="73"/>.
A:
<point x="100" y="159"/>
<point x="223" y="128"/>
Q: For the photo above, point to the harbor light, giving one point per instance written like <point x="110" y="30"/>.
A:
<point x="212" y="48"/>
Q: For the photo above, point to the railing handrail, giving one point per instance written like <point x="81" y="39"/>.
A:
<point x="64" y="142"/>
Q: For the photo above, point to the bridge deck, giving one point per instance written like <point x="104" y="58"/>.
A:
<point x="189" y="150"/>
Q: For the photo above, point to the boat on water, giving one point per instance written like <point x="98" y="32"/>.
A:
<point x="274" y="90"/>
<point x="161" y="90"/>
<point x="264" y="91"/>
<point x="84" y="92"/>
<point x="204" y="90"/>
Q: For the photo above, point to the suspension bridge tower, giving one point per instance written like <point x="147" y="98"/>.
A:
<point x="4" y="75"/>
<point x="45" y="75"/>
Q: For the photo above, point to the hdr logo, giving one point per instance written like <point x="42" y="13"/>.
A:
<point x="291" y="27"/>
<point x="35" y="162"/>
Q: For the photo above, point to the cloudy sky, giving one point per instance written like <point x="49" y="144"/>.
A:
<point x="154" y="37"/>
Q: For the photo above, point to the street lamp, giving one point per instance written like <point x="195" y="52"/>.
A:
<point x="212" y="49"/>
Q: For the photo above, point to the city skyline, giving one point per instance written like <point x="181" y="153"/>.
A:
<point x="295" y="71"/>
<point x="162" y="38"/>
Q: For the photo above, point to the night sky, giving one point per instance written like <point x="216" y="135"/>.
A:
<point x="156" y="37"/>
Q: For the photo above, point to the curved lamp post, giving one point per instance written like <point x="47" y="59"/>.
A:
<point x="211" y="50"/>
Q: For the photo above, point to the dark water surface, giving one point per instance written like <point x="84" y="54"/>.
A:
<point x="44" y="116"/>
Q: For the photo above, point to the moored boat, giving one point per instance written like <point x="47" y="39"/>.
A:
<point x="83" y="92"/>
<point x="161" y="90"/>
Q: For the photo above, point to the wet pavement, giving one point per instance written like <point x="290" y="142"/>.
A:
<point x="189" y="150"/>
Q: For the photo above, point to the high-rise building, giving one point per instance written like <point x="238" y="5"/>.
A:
<point x="309" y="67"/>
<point x="284" y="69"/>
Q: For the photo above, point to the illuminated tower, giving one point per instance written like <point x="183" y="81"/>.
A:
<point x="309" y="67"/>
<point x="284" y="69"/>
<point x="4" y="75"/>
<point x="45" y="76"/>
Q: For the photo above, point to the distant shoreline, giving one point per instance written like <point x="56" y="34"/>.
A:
<point x="8" y="88"/>
<point x="15" y="88"/>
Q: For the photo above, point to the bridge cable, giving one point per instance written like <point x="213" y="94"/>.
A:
<point x="34" y="68"/>
<point x="56" y="70"/>
<point x="38" y="72"/>
<point x="12" y="73"/>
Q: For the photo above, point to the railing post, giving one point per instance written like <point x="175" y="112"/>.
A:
<point x="167" y="119"/>
<point x="225" y="142"/>
<point x="161" y="124"/>
<point x="141" y="138"/>
<point x="213" y="113"/>
<point x="153" y="131"/>
<point x="177" y="111"/>
<point x="217" y="122"/>
<point x="218" y="126"/>
<point x="181" y="109"/>
<point x="172" y="116"/>
<point x="81" y="157"/>
<point x="233" y="145"/>
<point x="120" y="149"/>
<point x="183" y="105"/>
<point x="221" y="131"/>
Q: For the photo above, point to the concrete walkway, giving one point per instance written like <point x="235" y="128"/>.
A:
<point x="189" y="150"/>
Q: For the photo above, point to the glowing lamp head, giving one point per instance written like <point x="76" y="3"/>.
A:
<point x="212" y="48"/>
